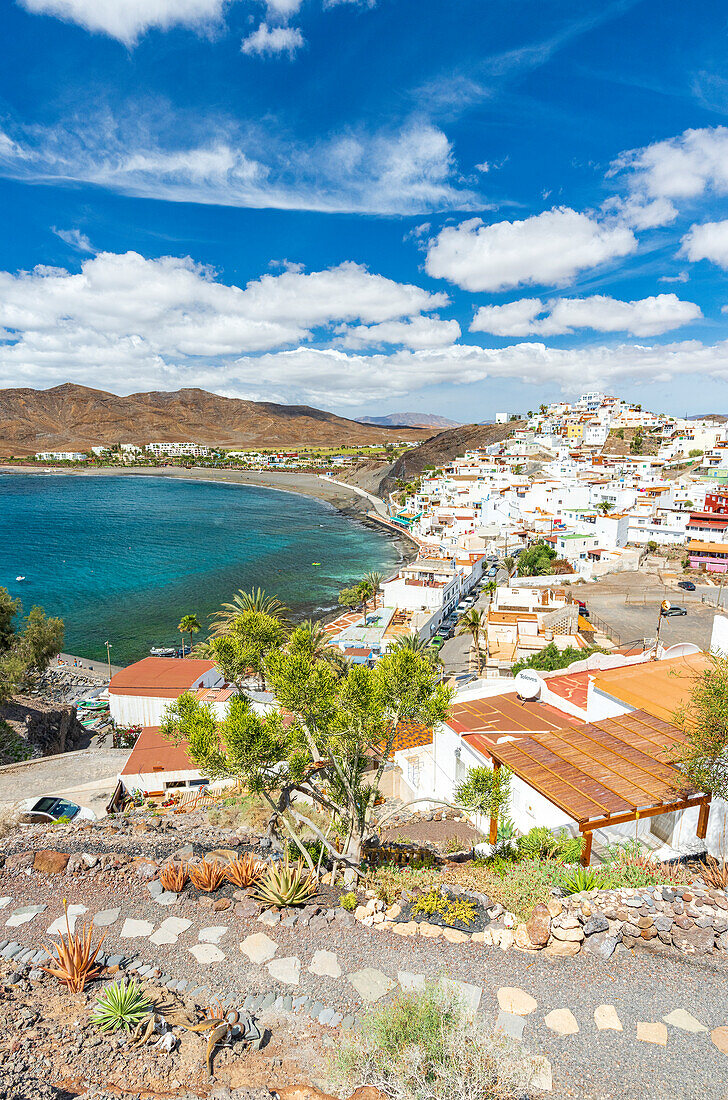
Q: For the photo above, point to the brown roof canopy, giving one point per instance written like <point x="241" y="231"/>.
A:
<point x="603" y="772"/>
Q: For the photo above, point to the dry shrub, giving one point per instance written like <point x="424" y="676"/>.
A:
<point x="76" y="957"/>
<point x="715" y="873"/>
<point x="245" y="871"/>
<point x="207" y="876"/>
<point x="8" y="823"/>
<point x="426" y="1046"/>
<point x="174" y="877"/>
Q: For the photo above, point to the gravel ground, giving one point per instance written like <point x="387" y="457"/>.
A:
<point x="591" y="1065"/>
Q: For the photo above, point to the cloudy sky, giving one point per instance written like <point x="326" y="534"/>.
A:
<point x="367" y="205"/>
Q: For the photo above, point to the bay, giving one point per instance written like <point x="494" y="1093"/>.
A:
<point x="124" y="558"/>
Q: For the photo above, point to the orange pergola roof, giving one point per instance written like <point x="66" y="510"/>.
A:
<point x="606" y="772"/>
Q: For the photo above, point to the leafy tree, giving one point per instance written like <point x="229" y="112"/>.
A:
<point x="310" y="637"/>
<point x="474" y="623"/>
<point x="255" y="600"/>
<point x="550" y="659"/>
<point x="704" y="719"/>
<point x="490" y="587"/>
<point x="25" y="653"/>
<point x="485" y="791"/>
<point x="637" y="443"/>
<point x="332" y="754"/>
<point x="605" y="507"/>
<point x="189" y="624"/>
<point x="536" y="560"/>
<point x="357" y="595"/>
<point x="652" y="546"/>
<point x="619" y="433"/>
<point x="695" y="453"/>
<point x="243" y="650"/>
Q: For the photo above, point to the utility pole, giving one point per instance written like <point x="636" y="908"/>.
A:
<point x="108" y="658"/>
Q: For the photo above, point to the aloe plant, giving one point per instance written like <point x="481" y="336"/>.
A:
<point x="120" y="1005"/>
<point x="580" y="880"/>
<point x="284" y="884"/>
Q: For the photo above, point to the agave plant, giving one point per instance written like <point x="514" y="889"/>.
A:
<point x="75" y="958"/>
<point x="245" y="871"/>
<point x="207" y="876"/>
<point x="121" y="1004"/>
<point x="285" y="884"/>
<point x="580" y="880"/>
<point x="174" y="877"/>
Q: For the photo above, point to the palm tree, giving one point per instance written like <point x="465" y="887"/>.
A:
<point x="255" y="600"/>
<point x="508" y="563"/>
<point x="605" y="507"/>
<point x="490" y="588"/>
<point x="411" y="642"/>
<point x="189" y="624"/>
<point x="365" y="591"/>
<point x="315" y="639"/>
<point x="374" y="579"/>
<point x="473" y="623"/>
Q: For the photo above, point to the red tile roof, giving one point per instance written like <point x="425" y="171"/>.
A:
<point x="153" y="753"/>
<point x="158" y="676"/>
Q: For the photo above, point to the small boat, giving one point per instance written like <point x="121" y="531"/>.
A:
<point x="93" y="704"/>
<point x="315" y="563"/>
<point x="20" y="578"/>
<point x="163" y="651"/>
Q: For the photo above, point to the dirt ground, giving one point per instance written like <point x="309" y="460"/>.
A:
<point x="444" y="835"/>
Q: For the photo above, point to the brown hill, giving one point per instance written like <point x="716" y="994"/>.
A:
<point x="71" y="417"/>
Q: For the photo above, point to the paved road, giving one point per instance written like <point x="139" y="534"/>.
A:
<point x="629" y="603"/>
<point x="455" y="654"/>
<point x="88" y="778"/>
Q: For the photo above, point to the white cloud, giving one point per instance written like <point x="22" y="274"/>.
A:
<point x="407" y="171"/>
<point x="681" y="277"/>
<point x="419" y="332"/>
<point x="128" y="19"/>
<point x="707" y="242"/>
<point x="267" y="41"/>
<point x="534" y="317"/>
<point x="170" y="321"/>
<point x="549" y="248"/>
<point x="282" y="9"/>
<point x="666" y="173"/>
<point x="75" y="239"/>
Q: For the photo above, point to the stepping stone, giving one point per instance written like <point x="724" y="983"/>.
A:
<point x="541" y="1076"/>
<point x="719" y="1036"/>
<point x="4" y="902"/>
<point x="469" y="994"/>
<point x="22" y="916"/>
<point x="106" y="917"/>
<point x="606" y="1018"/>
<point x="115" y="960"/>
<point x="562" y="1021"/>
<point x="652" y="1033"/>
<point x="167" y="898"/>
<point x="136" y="929"/>
<point x="347" y="1023"/>
<point x="169" y="931"/>
<point x="59" y="925"/>
<point x="371" y="984"/>
<point x="286" y="970"/>
<point x="336" y="1019"/>
<point x="213" y="934"/>
<point x="326" y="1016"/>
<point x="267" y="1001"/>
<point x="259" y="948"/>
<point x="316" y="1010"/>
<point x="410" y="982"/>
<point x="325" y="964"/>
<point x="510" y="1025"/>
<point x="206" y="953"/>
<point x="679" y="1017"/>
<point x="513" y="999"/>
<point x="181" y="986"/>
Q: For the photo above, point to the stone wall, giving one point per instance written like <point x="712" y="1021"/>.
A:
<point x="46" y="730"/>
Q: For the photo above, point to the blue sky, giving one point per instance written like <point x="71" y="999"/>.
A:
<point x="457" y="208"/>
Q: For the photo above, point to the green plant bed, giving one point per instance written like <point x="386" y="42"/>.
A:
<point x="446" y="910"/>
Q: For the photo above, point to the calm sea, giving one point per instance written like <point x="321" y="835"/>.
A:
<point x="124" y="558"/>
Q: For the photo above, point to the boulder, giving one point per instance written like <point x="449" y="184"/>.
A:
<point x="49" y="862"/>
<point x="563" y="949"/>
<point x="601" y="945"/>
<point x="596" y="923"/>
<point x="698" y="941"/>
<point x="523" y="941"/>
<point x="19" y="861"/>
<point x="574" y="935"/>
<point x="538" y="925"/>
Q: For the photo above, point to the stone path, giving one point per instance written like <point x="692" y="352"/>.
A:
<point x="676" y="1024"/>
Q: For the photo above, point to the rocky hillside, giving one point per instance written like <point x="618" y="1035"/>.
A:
<point x="447" y="445"/>
<point x="410" y="420"/>
<point x="622" y="444"/>
<point x="71" y="417"/>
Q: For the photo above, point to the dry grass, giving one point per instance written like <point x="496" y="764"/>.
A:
<point x="207" y="876"/>
<point x="8" y="823"/>
<point x="174" y="877"/>
<point x="241" y="810"/>
<point x="75" y="958"/>
<point x="715" y="873"/>
<point x="245" y="871"/>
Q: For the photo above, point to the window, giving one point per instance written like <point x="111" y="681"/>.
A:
<point x="413" y="771"/>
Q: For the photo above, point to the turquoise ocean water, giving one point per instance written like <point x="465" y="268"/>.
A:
<point x="124" y="558"/>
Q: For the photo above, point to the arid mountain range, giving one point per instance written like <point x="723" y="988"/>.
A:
<point x="410" y="420"/>
<point x="71" y="417"/>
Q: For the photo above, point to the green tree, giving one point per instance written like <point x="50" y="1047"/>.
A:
<point x="25" y="653"/>
<point x="357" y="595"/>
<point x="485" y="791"/>
<point x="536" y="560"/>
<point x="242" y="651"/>
<point x="619" y="433"/>
<point x="474" y="623"/>
<point x="311" y="638"/>
<point x="334" y="752"/>
<point x="189" y="624"/>
<point x="605" y="507"/>
<point x="637" y="443"/>
<point x="704" y="719"/>
<point x="255" y="600"/>
<point x="374" y="579"/>
<point x="550" y="658"/>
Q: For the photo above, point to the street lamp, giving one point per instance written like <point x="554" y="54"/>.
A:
<point x="665" y="607"/>
<point x="108" y="658"/>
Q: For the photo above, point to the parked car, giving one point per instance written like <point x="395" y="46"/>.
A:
<point x="688" y="586"/>
<point x="50" y="807"/>
<point x="493" y="570"/>
<point x="672" y="612"/>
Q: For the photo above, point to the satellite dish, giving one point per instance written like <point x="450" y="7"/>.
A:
<point x="528" y="684"/>
<point x="682" y="649"/>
